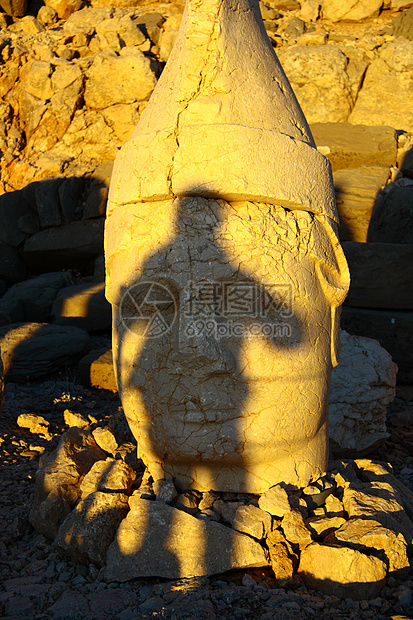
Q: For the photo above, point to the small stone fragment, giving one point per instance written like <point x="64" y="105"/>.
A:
<point x="295" y="529"/>
<point x="275" y="501"/>
<point x="341" y="571"/>
<point x="75" y="419"/>
<point x="281" y="556"/>
<point x="109" y="475"/>
<point x="105" y="439"/>
<point x="253" y="521"/>
<point x="165" y="490"/>
<point x="334" y="507"/>
<point x="322" y="525"/>
<point x="35" y="423"/>
<point x="188" y="502"/>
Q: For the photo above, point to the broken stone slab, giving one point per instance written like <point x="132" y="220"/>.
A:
<point x="381" y="275"/>
<point x="96" y="370"/>
<point x="84" y="306"/>
<point x="392" y="217"/>
<point x="160" y="541"/>
<point x="32" y="300"/>
<point x="356" y="194"/>
<point x="322" y="525"/>
<point x="351" y="146"/>
<point x="283" y="559"/>
<point x="75" y="419"/>
<point x="364" y="534"/>
<point x="392" y="328"/>
<point x="89" y="529"/>
<point x="348" y="10"/>
<point x="72" y="246"/>
<point x="252" y="521"/>
<point x="275" y="501"/>
<point x="35" y="350"/>
<point x="342" y="571"/>
<point x="362" y="385"/>
<point x="295" y="529"/>
<point x="110" y="475"/>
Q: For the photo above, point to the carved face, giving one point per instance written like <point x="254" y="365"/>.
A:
<point x="224" y="377"/>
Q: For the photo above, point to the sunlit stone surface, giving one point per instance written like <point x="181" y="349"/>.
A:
<point x="223" y="266"/>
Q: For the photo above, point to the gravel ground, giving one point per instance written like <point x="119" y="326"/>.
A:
<point x="36" y="583"/>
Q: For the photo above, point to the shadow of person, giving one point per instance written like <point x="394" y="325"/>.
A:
<point x="222" y="342"/>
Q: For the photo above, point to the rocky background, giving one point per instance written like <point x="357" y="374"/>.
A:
<point x="74" y="79"/>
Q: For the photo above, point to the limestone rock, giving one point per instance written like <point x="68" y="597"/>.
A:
<point x="295" y="529"/>
<point x="96" y="369"/>
<point x="403" y="24"/>
<point x="275" y="501"/>
<point x="252" y="521"/>
<point x="165" y="490"/>
<point x="105" y="439"/>
<point x="168" y="36"/>
<point x="342" y="571"/>
<point x="385" y="96"/>
<point x="37" y="349"/>
<point x="362" y="385"/>
<point x="57" y="479"/>
<point x="380" y="502"/>
<point x="363" y="534"/>
<point x="32" y="299"/>
<point x="318" y="75"/>
<point x="89" y="529"/>
<point x="380" y="275"/>
<point x="72" y="246"/>
<point x="67" y="465"/>
<point x="116" y="33"/>
<point x="352" y="146"/>
<point x="35" y="423"/>
<point x="320" y="526"/>
<point x="356" y="193"/>
<point x="392" y="328"/>
<point x="75" y="419"/>
<point x="283" y="560"/>
<point x="157" y="540"/>
<point x="119" y="79"/>
<point x="84" y="306"/>
<point x="64" y="8"/>
<point x="392" y="218"/>
<point x="351" y="10"/>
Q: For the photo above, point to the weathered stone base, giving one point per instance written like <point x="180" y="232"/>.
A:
<point x="343" y="534"/>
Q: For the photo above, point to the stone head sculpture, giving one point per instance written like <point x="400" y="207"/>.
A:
<point x="223" y="266"/>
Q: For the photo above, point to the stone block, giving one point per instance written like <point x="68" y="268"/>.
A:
<point x="356" y="194"/>
<point x="392" y="217"/>
<point x="96" y="369"/>
<point x="352" y="146"/>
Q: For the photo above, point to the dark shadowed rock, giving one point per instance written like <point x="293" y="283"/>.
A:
<point x="32" y="299"/>
<point x="392" y="218"/>
<point x="68" y="247"/>
<point x="12" y="267"/>
<point x="90" y="528"/>
<point x="84" y="306"/>
<point x="33" y="350"/>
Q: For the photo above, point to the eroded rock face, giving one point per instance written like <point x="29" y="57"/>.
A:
<point x="223" y="266"/>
